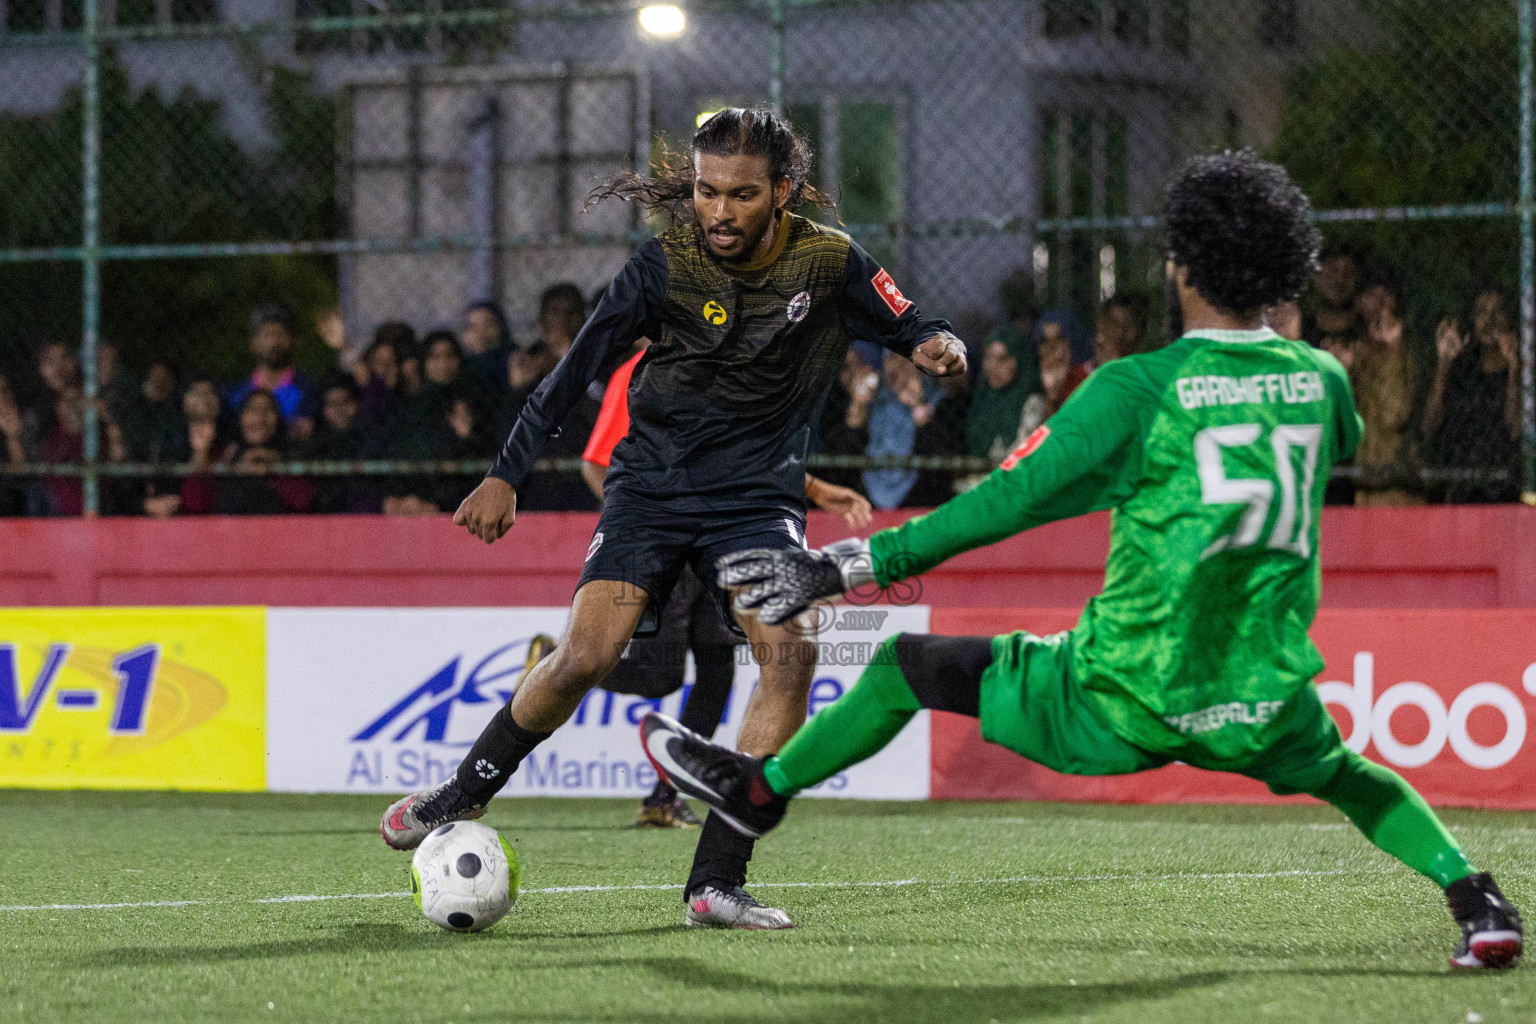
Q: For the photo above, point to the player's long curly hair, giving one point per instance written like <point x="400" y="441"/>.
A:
<point x="733" y="132"/>
<point x="1243" y="231"/>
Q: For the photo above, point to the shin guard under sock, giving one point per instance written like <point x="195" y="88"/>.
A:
<point x="850" y="729"/>
<point x="721" y="857"/>
<point x="495" y="756"/>
<point x="1395" y="817"/>
<point x="714" y="671"/>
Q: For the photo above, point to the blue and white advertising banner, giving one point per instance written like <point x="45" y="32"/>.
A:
<point x="388" y="700"/>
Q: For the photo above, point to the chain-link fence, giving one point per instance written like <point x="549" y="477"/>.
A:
<point x="376" y="213"/>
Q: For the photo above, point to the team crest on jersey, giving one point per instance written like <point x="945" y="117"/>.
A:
<point x="886" y="288"/>
<point x="714" y="312"/>
<point x="1025" y="450"/>
<point x="799" y="306"/>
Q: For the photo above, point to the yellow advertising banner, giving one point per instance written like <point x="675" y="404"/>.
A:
<point x="133" y="698"/>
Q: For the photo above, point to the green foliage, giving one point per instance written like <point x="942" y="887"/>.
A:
<point x="170" y="173"/>
<point x="1427" y="114"/>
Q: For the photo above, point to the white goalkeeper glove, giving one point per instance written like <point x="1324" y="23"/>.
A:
<point x="780" y="583"/>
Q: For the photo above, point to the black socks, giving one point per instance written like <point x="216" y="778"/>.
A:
<point x="715" y="668"/>
<point x="721" y="858"/>
<point x="495" y="756"/>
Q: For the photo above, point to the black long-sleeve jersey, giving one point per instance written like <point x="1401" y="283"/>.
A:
<point x="720" y="407"/>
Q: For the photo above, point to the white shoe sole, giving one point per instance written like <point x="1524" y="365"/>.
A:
<point x="1494" y="950"/>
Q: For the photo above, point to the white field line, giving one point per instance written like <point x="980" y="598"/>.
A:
<point x="1181" y="826"/>
<point x="893" y="883"/>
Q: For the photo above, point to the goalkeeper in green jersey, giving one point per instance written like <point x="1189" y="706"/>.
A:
<point x="1213" y="453"/>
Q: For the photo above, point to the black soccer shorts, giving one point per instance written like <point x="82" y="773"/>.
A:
<point x="646" y="544"/>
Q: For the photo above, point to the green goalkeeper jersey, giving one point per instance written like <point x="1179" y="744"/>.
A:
<point x="1213" y="454"/>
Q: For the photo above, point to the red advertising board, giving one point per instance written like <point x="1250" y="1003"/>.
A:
<point x="1441" y="695"/>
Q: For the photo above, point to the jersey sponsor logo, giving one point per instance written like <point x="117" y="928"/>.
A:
<point x="1029" y="447"/>
<point x="798" y="307"/>
<point x="1219" y="716"/>
<point x="887" y="290"/>
<point x="714" y="312"/>
<point x="597" y="542"/>
<point x="1256" y="389"/>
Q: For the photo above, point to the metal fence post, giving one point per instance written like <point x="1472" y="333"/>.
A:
<point x="776" y="56"/>
<point x="90" y="256"/>
<point x="1527" y="261"/>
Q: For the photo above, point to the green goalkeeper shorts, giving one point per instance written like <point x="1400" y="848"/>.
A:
<point x="1031" y="704"/>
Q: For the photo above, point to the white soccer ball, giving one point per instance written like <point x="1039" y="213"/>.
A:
<point x="464" y="876"/>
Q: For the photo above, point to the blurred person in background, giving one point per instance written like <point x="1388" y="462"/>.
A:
<point x="1331" y="320"/>
<point x="419" y="413"/>
<point x="206" y="433"/>
<point x="1121" y="328"/>
<point x="272" y="345"/>
<point x="944" y="435"/>
<point x="486" y="343"/>
<point x="261" y="441"/>
<point x="384" y="386"/>
<point x="462" y="434"/>
<point x="1017" y="329"/>
<point x="333" y="332"/>
<point x="485" y="331"/>
<point x="1471" y="417"/>
<point x="426" y="426"/>
<point x="1066" y="359"/>
<point x="1285" y="319"/>
<point x="58" y="370"/>
<point x="1383" y="373"/>
<point x="57" y="435"/>
<point x="153" y="422"/>
<point x="155" y="428"/>
<point x="523" y="371"/>
<point x="562" y="312"/>
<point x="53" y="431"/>
<point x="13" y="490"/>
<point x="442" y="359"/>
<point x="997" y="408"/>
<point x="342" y="436"/>
<point x="903" y="407"/>
<point x="842" y="427"/>
<point x="115" y="386"/>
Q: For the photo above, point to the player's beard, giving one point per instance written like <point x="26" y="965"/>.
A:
<point x="1173" y="313"/>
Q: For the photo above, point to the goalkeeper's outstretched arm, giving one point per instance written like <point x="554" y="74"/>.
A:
<point x="1086" y="458"/>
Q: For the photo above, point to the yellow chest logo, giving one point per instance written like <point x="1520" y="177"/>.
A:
<point x="714" y="313"/>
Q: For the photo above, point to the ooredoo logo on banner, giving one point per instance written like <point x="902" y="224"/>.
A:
<point x="1442" y="696"/>
<point x="132" y="698"/>
<point x="387" y="700"/>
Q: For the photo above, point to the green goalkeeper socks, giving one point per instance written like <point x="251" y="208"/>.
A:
<point x="850" y="729"/>
<point x="1382" y="805"/>
<point x="1395" y="817"/>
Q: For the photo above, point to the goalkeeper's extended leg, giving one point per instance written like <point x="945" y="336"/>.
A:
<point x="907" y="674"/>
<point x="1395" y="817"/>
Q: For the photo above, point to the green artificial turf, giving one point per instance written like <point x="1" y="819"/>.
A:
<point x="1014" y="912"/>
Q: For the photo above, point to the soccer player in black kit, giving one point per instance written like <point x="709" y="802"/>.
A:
<point x="750" y="309"/>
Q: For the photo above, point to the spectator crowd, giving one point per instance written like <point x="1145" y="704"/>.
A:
<point x="1447" y="403"/>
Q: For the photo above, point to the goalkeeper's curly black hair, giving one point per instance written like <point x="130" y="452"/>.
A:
<point x="1242" y="230"/>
